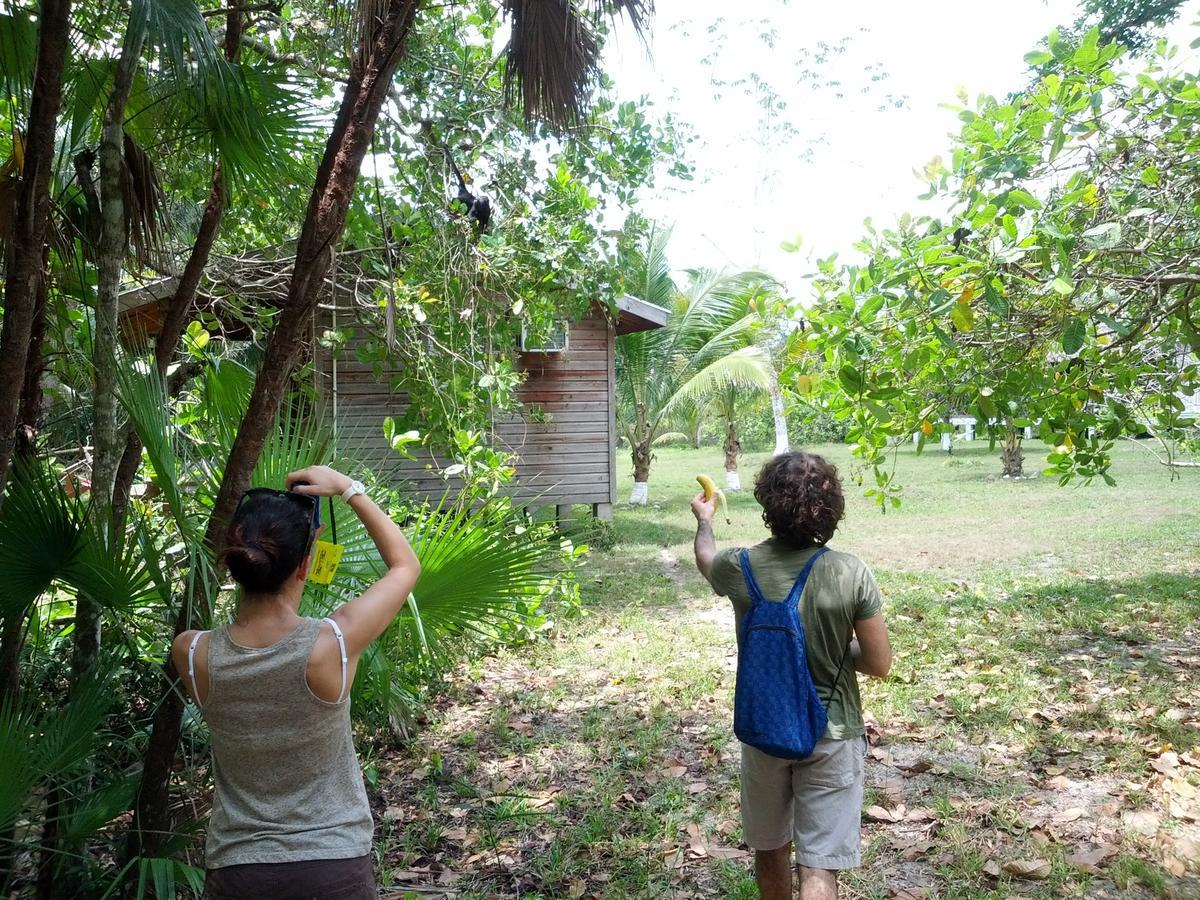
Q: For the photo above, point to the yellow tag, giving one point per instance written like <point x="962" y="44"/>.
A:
<point x="326" y="557"/>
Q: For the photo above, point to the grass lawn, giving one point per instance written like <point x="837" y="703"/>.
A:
<point x="1038" y="737"/>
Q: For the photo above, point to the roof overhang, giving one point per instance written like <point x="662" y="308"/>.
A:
<point x="136" y="296"/>
<point x="638" y="315"/>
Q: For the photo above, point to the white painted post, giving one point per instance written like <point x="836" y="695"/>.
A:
<point x="640" y="493"/>
<point x="1029" y="432"/>
<point x="946" y="441"/>
<point x="733" y="481"/>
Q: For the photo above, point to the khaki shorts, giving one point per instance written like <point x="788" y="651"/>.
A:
<point x="816" y="802"/>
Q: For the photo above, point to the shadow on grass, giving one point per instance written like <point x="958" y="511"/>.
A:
<point x="1040" y="723"/>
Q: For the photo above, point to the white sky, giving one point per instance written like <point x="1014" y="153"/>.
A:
<point x="852" y="153"/>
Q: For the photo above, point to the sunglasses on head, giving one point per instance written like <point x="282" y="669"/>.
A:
<point x="309" y="503"/>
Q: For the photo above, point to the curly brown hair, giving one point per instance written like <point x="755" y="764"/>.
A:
<point x="801" y="498"/>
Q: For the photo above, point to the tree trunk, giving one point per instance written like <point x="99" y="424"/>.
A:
<point x="733" y="448"/>
<point x="29" y="414"/>
<point x="23" y="283"/>
<point x="782" y="439"/>
<point x="642" y="455"/>
<point x="366" y="89"/>
<point x="27" y="251"/>
<point x="696" y="433"/>
<point x="106" y="438"/>
<point x="1012" y="461"/>
<point x="28" y="420"/>
<point x="107" y="441"/>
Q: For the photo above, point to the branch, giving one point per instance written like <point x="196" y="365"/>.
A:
<point x="257" y="7"/>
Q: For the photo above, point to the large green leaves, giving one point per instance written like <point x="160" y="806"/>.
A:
<point x="1082" y="245"/>
<point x="36" y="746"/>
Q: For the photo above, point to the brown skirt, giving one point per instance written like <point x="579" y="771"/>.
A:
<point x="317" y="879"/>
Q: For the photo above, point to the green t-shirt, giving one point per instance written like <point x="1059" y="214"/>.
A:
<point x="840" y="591"/>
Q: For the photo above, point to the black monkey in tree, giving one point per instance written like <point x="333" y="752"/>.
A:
<point x="477" y="207"/>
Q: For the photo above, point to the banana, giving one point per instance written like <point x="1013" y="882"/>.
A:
<point x="711" y="490"/>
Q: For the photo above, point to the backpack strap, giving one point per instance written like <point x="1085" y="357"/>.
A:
<point x="793" y="596"/>
<point x="756" y="596"/>
<point x="838" y="679"/>
<point x="793" y="601"/>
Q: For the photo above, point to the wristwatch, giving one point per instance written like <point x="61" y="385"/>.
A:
<point x="356" y="488"/>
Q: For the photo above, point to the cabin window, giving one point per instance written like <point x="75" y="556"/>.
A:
<point x="555" y="341"/>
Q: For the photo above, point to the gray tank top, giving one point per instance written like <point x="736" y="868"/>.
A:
<point x="288" y="783"/>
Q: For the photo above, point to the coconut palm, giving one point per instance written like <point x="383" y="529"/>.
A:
<point x="704" y="348"/>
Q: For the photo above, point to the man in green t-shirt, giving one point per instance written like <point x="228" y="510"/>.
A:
<point x="816" y="801"/>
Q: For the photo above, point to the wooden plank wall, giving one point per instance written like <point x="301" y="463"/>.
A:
<point x="563" y="437"/>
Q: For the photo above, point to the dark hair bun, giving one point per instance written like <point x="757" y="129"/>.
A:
<point x="249" y="564"/>
<point x="268" y="541"/>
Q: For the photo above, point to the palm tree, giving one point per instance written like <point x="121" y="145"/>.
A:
<point x="703" y="349"/>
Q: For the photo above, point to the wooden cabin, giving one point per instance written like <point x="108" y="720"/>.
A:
<point x="563" y="438"/>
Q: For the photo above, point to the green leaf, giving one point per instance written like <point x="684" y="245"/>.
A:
<point x="1150" y="176"/>
<point x="963" y="317"/>
<point x="1064" y="286"/>
<point x="996" y="301"/>
<point x="851" y="379"/>
<point x="941" y="301"/>
<point x="870" y="308"/>
<point x="1038" y="57"/>
<point x="1104" y="236"/>
<point x="1073" y="336"/>
<point x="1023" y="199"/>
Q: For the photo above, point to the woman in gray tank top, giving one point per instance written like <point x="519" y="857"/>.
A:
<point x="290" y="818"/>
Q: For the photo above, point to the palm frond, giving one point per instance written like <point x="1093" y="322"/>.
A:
<point x="146" y="213"/>
<point x="100" y="806"/>
<point x="670" y="437"/>
<point x="35" y="747"/>
<point x="110" y="569"/>
<point x="18" y="760"/>
<point x="18" y="53"/>
<point x="252" y="115"/>
<point x="744" y="368"/>
<point x="41" y="532"/>
<point x="637" y="11"/>
<point x="552" y="60"/>
<point x="144" y="399"/>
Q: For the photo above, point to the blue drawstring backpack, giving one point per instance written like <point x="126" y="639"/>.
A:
<point x="775" y="707"/>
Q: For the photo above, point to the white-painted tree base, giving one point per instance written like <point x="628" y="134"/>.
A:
<point x="733" y="481"/>
<point x="640" y="493"/>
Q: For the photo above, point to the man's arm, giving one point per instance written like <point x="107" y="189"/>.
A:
<point x="705" y="544"/>
<point x="871" y="650"/>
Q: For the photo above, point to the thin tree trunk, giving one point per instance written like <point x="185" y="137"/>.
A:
<point x="106" y="439"/>
<point x="782" y="440"/>
<point x="25" y="272"/>
<point x="29" y="415"/>
<point x="733" y="448"/>
<point x="642" y="455"/>
<point x="25" y="288"/>
<point x="28" y="420"/>
<point x="32" y="219"/>
<point x="1012" y="460"/>
<point x="696" y="433"/>
<point x="370" y="78"/>
<point x="48" y="863"/>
